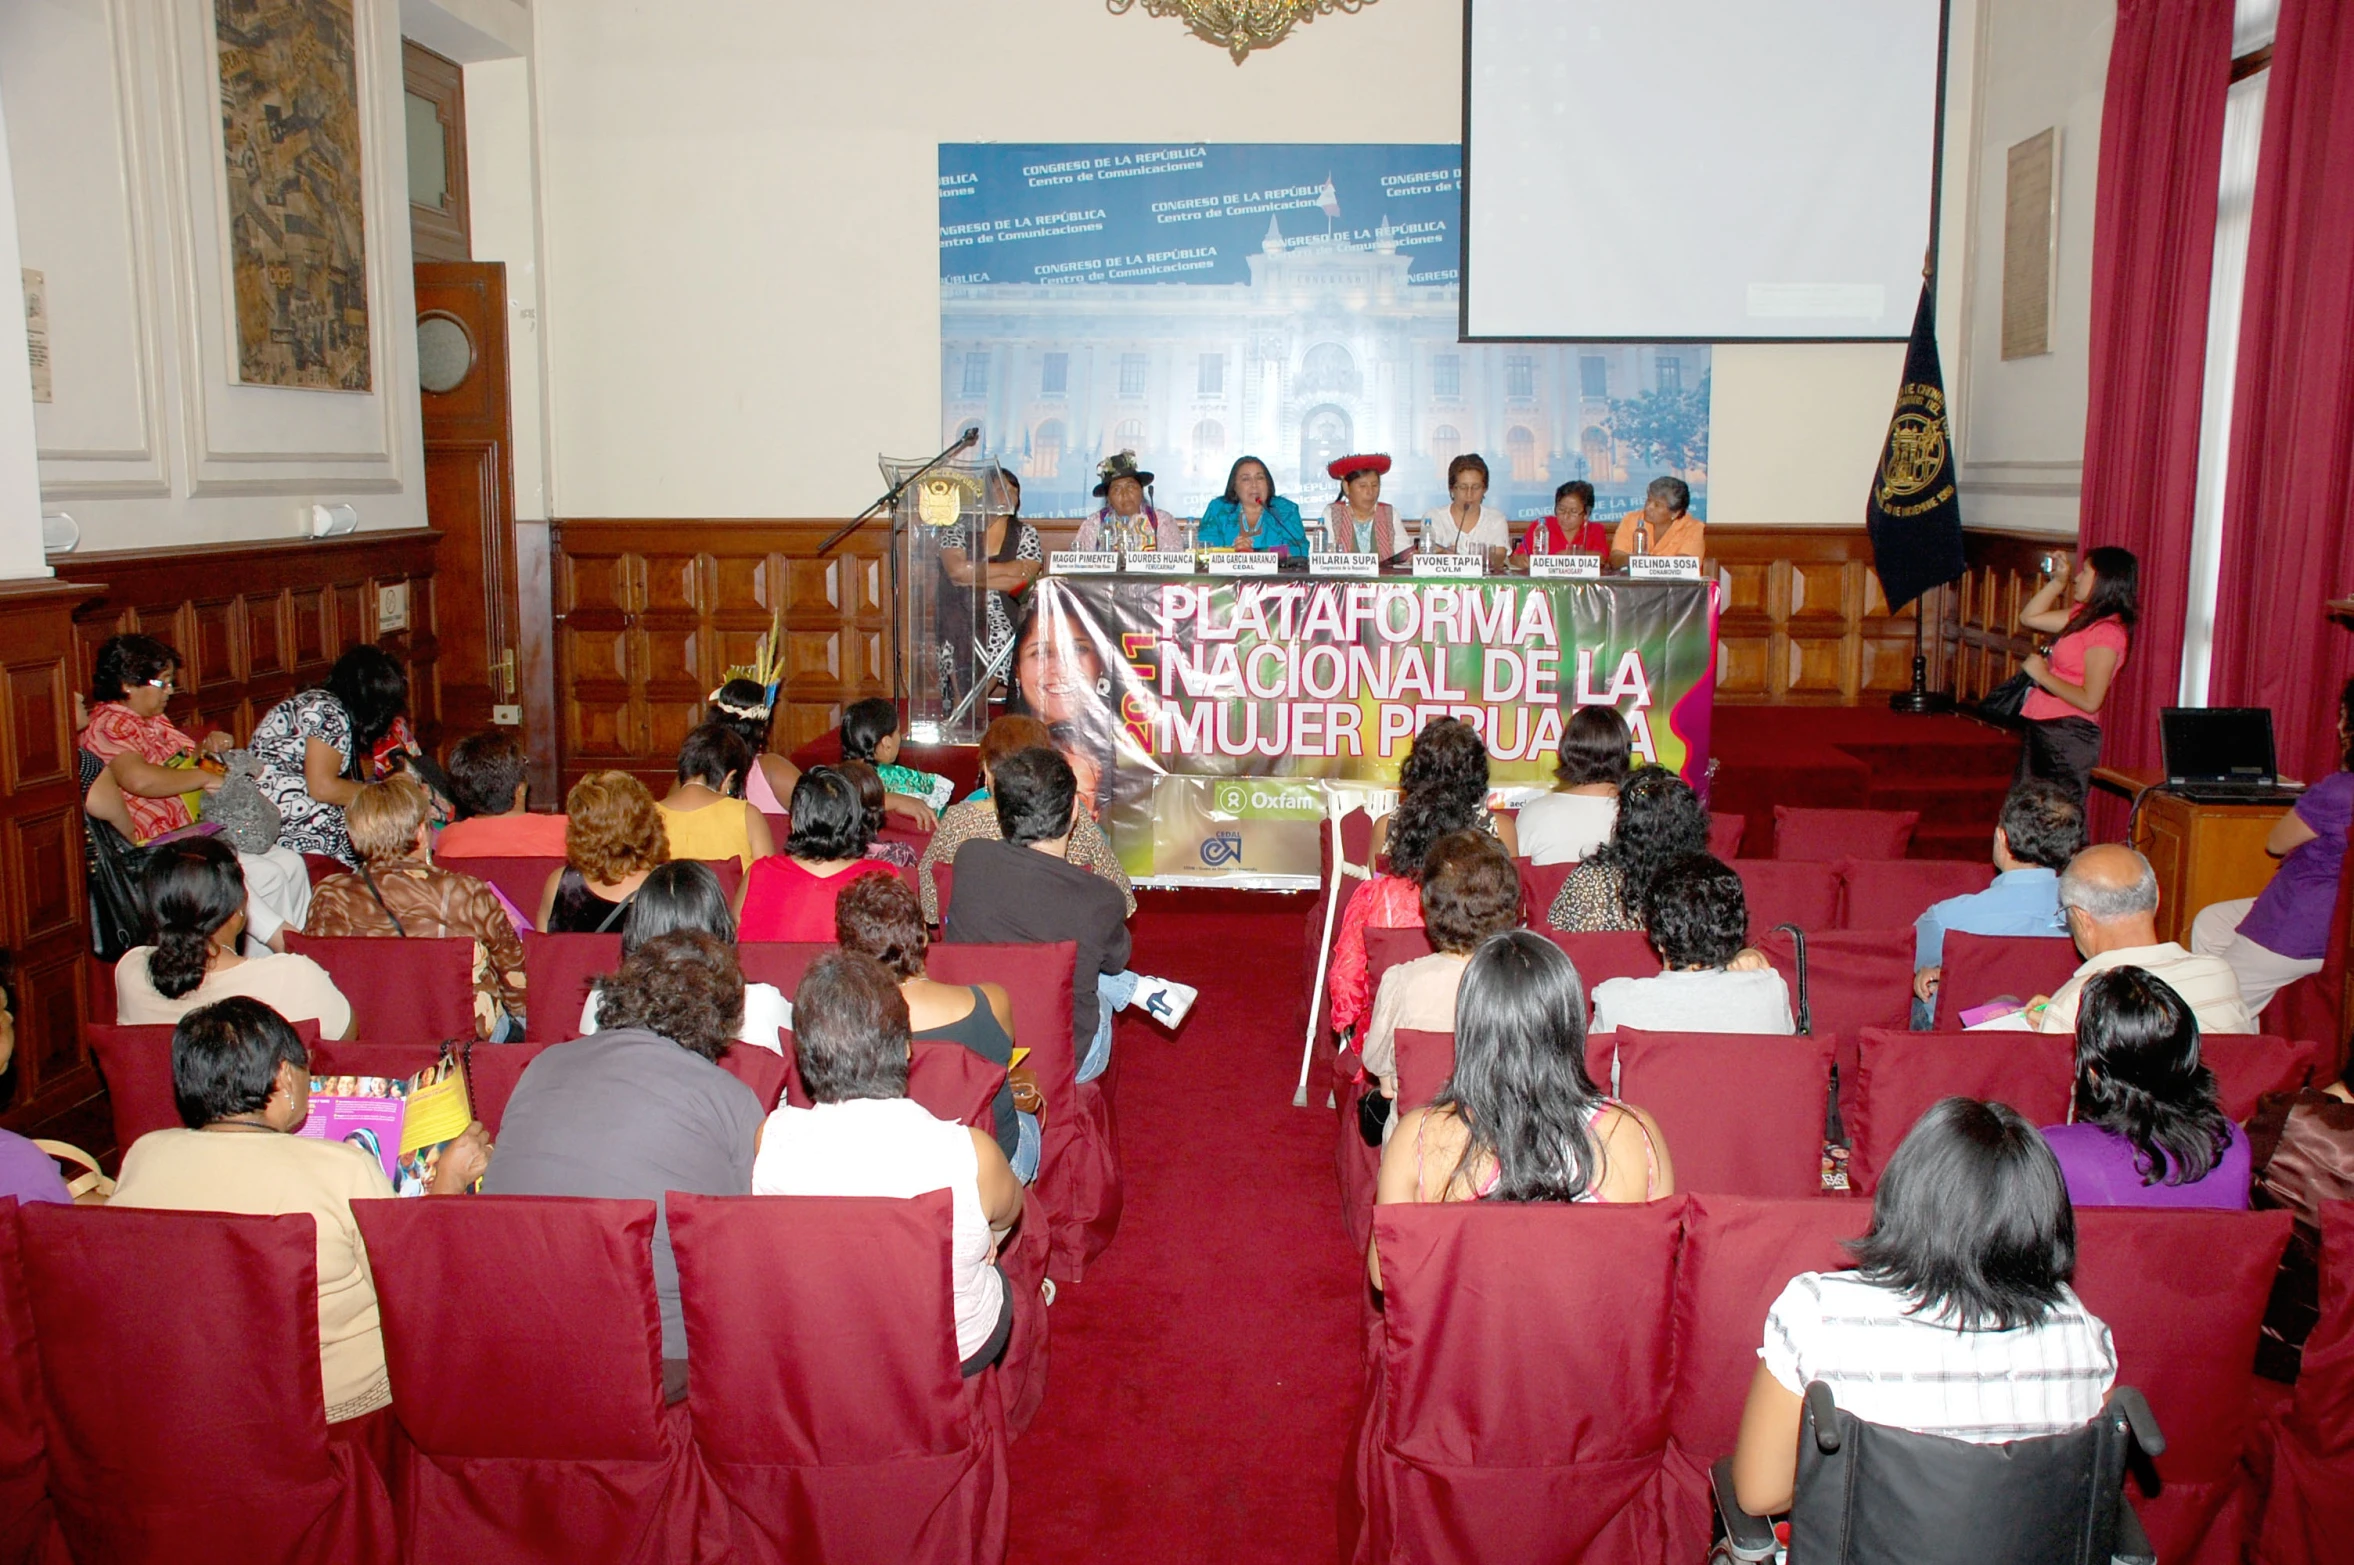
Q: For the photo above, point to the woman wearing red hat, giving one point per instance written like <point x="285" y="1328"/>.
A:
<point x="1360" y="521"/>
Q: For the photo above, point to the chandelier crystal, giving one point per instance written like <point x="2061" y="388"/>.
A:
<point x="1239" y="26"/>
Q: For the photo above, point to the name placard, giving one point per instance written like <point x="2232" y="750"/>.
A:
<point x="1449" y="565"/>
<point x="1252" y="562"/>
<point x="1344" y="564"/>
<point x="1664" y="567"/>
<point x="1090" y="562"/>
<point x="1577" y="567"/>
<point x="1158" y="562"/>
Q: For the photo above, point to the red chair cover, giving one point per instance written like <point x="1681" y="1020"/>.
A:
<point x="1602" y="957"/>
<point x="492" y="1070"/>
<point x="1518" y="1405"/>
<point x="1835" y="834"/>
<point x="1539" y="885"/>
<point x="401" y="991"/>
<point x="1725" y="833"/>
<point x="1899" y="1076"/>
<point x="377" y="1059"/>
<point x="557" y="973"/>
<point x="1741" y="1115"/>
<point x="730" y="873"/>
<point x="1979" y="968"/>
<point x="1738" y="1254"/>
<point x="1804" y="892"/>
<point x="28" y="1522"/>
<point x="137" y="1065"/>
<point x="2309" y="1514"/>
<point x="1855" y="978"/>
<point x="778" y="962"/>
<point x="2183" y="1293"/>
<point x="827" y="1401"/>
<point x="1079" y="1179"/>
<point x="179" y="1352"/>
<point x="320" y="867"/>
<point x="524" y="880"/>
<point x="536" y="1427"/>
<point x="1425" y="1061"/>
<point x="1022" y="1372"/>
<point x="1358" y="1165"/>
<point x="1388" y="948"/>
<point x="952" y="1082"/>
<point x="943" y="876"/>
<point x="2248" y="1065"/>
<point x="760" y="1069"/>
<point x="1893" y="893"/>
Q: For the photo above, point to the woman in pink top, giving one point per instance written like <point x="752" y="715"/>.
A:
<point x="790" y="895"/>
<point x="2062" y="712"/>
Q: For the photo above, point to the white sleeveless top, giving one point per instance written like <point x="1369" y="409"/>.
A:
<point x="891" y="1147"/>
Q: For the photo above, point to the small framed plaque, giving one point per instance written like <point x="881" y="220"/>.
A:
<point x="1449" y="565"/>
<point x="1344" y="564"/>
<point x="1664" y="567"/>
<point x="1253" y="562"/>
<point x="1575" y="567"/>
<point x="1092" y="562"/>
<point x="1159" y="562"/>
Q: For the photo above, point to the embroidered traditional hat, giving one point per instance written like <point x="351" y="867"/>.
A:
<point x="1121" y="465"/>
<point x="1346" y="467"/>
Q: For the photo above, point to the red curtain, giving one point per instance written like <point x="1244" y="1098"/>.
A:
<point x="2289" y="506"/>
<point x="2153" y="248"/>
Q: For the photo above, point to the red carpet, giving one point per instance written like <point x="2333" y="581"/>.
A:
<point x="1205" y="1373"/>
<point x="1953" y="770"/>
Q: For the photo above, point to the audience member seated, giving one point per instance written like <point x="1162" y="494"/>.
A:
<point x="1470" y="891"/>
<point x="869" y="784"/>
<point x="613" y="839"/>
<point x="1696" y="916"/>
<point x="744" y="705"/>
<point x="878" y="918"/>
<point x="1442" y="787"/>
<point x="870" y="733"/>
<point x="400" y="892"/>
<point x="1660" y="820"/>
<point x="705" y="816"/>
<point x="26" y="1172"/>
<point x="863" y="1136"/>
<point x="973" y="819"/>
<point x="685" y="894"/>
<point x="2110" y="895"/>
<point x="491" y="787"/>
<point x="318" y="746"/>
<point x="196" y="897"/>
<point x="641" y="1108"/>
<point x="790" y="895"/>
<point x="1025" y="889"/>
<point x="1566" y="825"/>
<point x="1520" y="1120"/>
<point x="2271" y="941"/>
<point x="1958" y="1319"/>
<point x="150" y="764"/>
<point x="2145" y="1129"/>
<point x="243" y="1080"/>
<point x="2041" y="829"/>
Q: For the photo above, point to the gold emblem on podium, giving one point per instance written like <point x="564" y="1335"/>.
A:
<point x="940" y="502"/>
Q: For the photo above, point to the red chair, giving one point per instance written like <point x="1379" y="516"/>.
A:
<point x="778" y="962"/>
<point x="2182" y="1293"/>
<point x="1979" y="968"/>
<point x="137" y="1065"/>
<point x="1737" y="1257"/>
<point x="401" y="991"/>
<point x="524" y="880"/>
<point x="28" y="1521"/>
<point x="1425" y="1061"/>
<point x="492" y="1070"/>
<point x="1804" y="892"/>
<point x="1899" y="1076"/>
<point x="320" y="866"/>
<point x="1838" y="834"/>
<point x="943" y="875"/>
<point x="779" y="828"/>
<point x="1517" y="1406"/>
<point x="762" y="1070"/>
<point x="1894" y="893"/>
<point x="1725" y="833"/>
<point x="390" y="1060"/>
<point x="187" y="1434"/>
<point x="730" y="873"/>
<point x="1741" y="1115"/>
<point x="2248" y="1065"/>
<point x="954" y="1083"/>
<point x="1539" y="885"/>
<point x="536" y="1430"/>
<point x="2309" y="1511"/>
<point x="1388" y="948"/>
<point x="1079" y="1180"/>
<point x="827" y="1400"/>
<point x="557" y="972"/>
<point x="1602" y="957"/>
<point x="1855" y="978"/>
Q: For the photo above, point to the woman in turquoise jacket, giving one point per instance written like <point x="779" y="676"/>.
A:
<point x="1251" y="515"/>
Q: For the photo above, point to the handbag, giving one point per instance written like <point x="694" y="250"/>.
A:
<point x="90" y="1182"/>
<point x="2302" y="1147"/>
<point x="2004" y="702"/>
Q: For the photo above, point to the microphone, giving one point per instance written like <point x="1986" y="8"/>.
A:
<point x="972" y="435"/>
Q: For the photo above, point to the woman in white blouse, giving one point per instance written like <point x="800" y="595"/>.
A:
<point x="1467" y="523"/>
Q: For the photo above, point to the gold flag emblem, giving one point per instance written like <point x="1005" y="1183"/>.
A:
<point x="940" y="502"/>
<point x="1916" y="455"/>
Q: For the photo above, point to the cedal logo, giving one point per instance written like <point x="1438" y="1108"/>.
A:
<point x="1221" y="849"/>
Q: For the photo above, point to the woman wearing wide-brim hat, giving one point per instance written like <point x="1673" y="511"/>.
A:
<point x="1126" y="522"/>
<point x="1360" y="521"/>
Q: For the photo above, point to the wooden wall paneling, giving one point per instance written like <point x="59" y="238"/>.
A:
<point x="1979" y="642"/>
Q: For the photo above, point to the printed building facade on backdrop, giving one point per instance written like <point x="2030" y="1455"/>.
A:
<point x="1293" y="302"/>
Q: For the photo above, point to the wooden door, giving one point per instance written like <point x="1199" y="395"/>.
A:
<point x="470" y="499"/>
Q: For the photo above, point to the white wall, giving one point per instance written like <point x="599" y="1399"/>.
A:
<point x="113" y="115"/>
<point x="741" y="295"/>
<point x="20" y="478"/>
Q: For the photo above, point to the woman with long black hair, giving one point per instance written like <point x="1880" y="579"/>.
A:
<point x="317" y="747"/>
<point x="2094" y="629"/>
<point x="2147" y="1128"/>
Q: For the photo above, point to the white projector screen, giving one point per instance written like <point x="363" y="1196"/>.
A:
<point x="1708" y="170"/>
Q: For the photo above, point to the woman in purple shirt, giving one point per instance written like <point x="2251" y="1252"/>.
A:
<point x="2273" y="940"/>
<point x="26" y="1172"/>
<point x="2146" y="1130"/>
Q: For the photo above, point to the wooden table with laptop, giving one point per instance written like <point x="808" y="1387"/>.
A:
<point x="2202" y="851"/>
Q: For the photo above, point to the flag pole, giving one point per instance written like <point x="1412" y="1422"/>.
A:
<point x="1919" y="698"/>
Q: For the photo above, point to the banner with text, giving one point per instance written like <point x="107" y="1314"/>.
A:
<point x="1205" y="718"/>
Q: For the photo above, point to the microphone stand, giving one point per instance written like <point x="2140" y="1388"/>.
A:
<point x="889" y="501"/>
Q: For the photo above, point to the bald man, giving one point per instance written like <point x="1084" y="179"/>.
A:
<point x="2109" y="895"/>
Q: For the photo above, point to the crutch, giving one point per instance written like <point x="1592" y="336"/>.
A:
<point x="1337" y="805"/>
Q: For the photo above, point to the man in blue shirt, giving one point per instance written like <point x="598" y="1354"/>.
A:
<point x="2041" y="829"/>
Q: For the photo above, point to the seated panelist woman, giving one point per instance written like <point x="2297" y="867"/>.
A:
<point x="1361" y="521"/>
<point x="1250" y="515"/>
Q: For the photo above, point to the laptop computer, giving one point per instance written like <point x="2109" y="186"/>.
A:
<point x="2221" y="754"/>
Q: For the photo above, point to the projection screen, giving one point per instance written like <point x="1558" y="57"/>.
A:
<point x="1704" y="170"/>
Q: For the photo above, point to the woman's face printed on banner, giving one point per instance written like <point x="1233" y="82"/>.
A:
<point x="1057" y="670"/>
<point x="1125" y="495"/>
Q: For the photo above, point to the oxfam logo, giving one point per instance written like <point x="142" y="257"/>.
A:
<point x="1267" y="798"/>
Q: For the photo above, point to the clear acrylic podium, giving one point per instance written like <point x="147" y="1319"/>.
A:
<point x="944" y="509"/>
